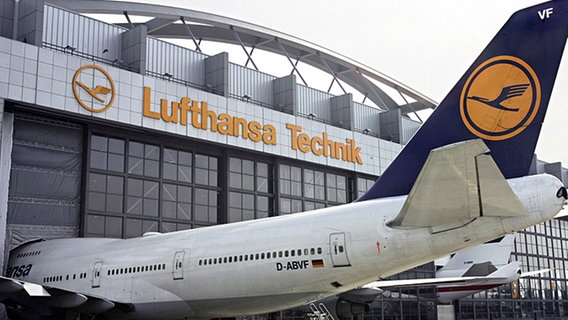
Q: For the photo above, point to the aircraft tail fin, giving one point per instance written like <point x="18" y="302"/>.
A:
<point x="502" y="98"/>
<point x="497" y="253"/>
<point x="458" y="183"/>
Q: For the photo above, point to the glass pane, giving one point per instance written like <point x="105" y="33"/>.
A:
<point x="99" y="143"/>
<point x="116" y="146"/>
<point x="98" y="160"/>
<point x="235" y="165"/>
<point x="116" y="162"/>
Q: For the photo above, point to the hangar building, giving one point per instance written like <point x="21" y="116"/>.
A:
<point x="109" y="130"/>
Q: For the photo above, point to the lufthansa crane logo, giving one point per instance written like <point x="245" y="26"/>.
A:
<point x="93" y="88"/>
<point x="500" y="98"/>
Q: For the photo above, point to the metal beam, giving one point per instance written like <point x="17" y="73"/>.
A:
<point x="290" y="60"/>
<point x="243" y="46"/>
<point x="158" y="23"/>
<point x="190" y="34"/>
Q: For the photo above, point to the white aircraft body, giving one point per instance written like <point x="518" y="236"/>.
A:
<point x="459" y="182"/>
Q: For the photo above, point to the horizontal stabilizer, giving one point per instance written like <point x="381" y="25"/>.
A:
<point x="457" y="184"/>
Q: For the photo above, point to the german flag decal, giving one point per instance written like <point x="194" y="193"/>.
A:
<point x="318" y="263"/>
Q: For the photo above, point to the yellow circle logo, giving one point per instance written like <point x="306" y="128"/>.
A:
<point x="500" y="98"/>
<point x="93" y="88"/>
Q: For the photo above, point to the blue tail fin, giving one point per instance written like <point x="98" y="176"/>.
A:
<point x="502" y="99"/>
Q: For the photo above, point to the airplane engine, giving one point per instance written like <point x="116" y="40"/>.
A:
<point x="346" y="309"/>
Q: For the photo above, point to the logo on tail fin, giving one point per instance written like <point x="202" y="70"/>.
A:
<point x="500" y="98"/>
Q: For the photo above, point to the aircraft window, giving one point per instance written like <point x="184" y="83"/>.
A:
<point x="312" y="251"/>
<point x="292" y="253"/>
<point x="251" y="257"/>
<point x="341" y="249"/>
<point x="225" y="260"/>
<point x="240" y="258"/>
<point x="214" y="260"/>
<point x="280" y="254"/>
<point x="268" y="255"/>
<point x="256" y="257"/>
<point x="246" y="257"/>
<point x="286" y="253"/>
<point x="262" y="256"/>
<point x="163" y="266"/>
<point x="319" y="250"/>
<point x="306" y="252"/>
<point x="200" y="262"/>
<point x="73" y="276"/>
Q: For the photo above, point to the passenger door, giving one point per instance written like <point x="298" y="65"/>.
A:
<point x="338" y="250"/>
<point x="178" y="265"/>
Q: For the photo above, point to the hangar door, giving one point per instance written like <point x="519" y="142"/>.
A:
<point x="44" y="193"/>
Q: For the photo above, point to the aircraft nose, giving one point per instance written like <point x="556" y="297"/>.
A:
<point x="562" y="193"/>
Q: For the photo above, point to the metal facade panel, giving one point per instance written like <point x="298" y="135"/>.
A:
<point x="88" y="36"/>
<point x="254" y="84"/>
<point x="182" y="64"/>
<point x="409" y="128"/>
<point x="366" y="117"/>
<point x="314" y="101"/>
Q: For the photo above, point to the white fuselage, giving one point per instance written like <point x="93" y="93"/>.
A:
<point x="263" y="265"/>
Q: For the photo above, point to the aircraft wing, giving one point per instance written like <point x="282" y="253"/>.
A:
<point x="370" y="291"/>
<point x="25" y="293"/>
<point x="406" y="283"/>
<point x="458" y="183"/>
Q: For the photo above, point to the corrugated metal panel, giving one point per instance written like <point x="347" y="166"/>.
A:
<point x="257" y="85"/>
<point x="63" y="28"/>
<point x="314" y="101"/>
<point x="183" y="64"/>
<point x="366" y="117"/>
<point x="409" y="128"/>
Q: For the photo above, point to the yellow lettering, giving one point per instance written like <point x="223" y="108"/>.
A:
<point x="243" y="124"/>
<point x="173" y="116"/>
<point x="269" y="135"/>
<point x="207" y="115"/>
<point x="146" y="104"/>
<point x="295" y="129"/>
<point x="195" y="114"/>
<point x="184" y="109"/>
<point x="340" y="150"/>
<point x="304" y="143"/>
<point x="225" y="125"/>
<point x="317" y="141"/>
<point x="254" y="131"/>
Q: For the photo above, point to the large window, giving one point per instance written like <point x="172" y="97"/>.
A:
<point x="303" y="189"/>
<point x="250" y="190"/>
<point x="136" y="187"/>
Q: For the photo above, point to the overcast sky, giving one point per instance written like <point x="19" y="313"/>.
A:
<point x="426" y="45"/>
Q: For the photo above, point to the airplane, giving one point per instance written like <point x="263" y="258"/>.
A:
<point x="460" y="181"/>
<point x="466" y="272"/>
<point x="489" y="262"/>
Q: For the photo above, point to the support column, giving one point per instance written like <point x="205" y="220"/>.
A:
<point x="284" y="94"/>
<point x="342" y="111"/>
<point x="6" y="18"/>
<point x="6" y="130"/>
<point x="30" y="21"/>
<point x="217" y="74"/>
<point x="391" y="125"/>
<point x="134" y="48"/>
